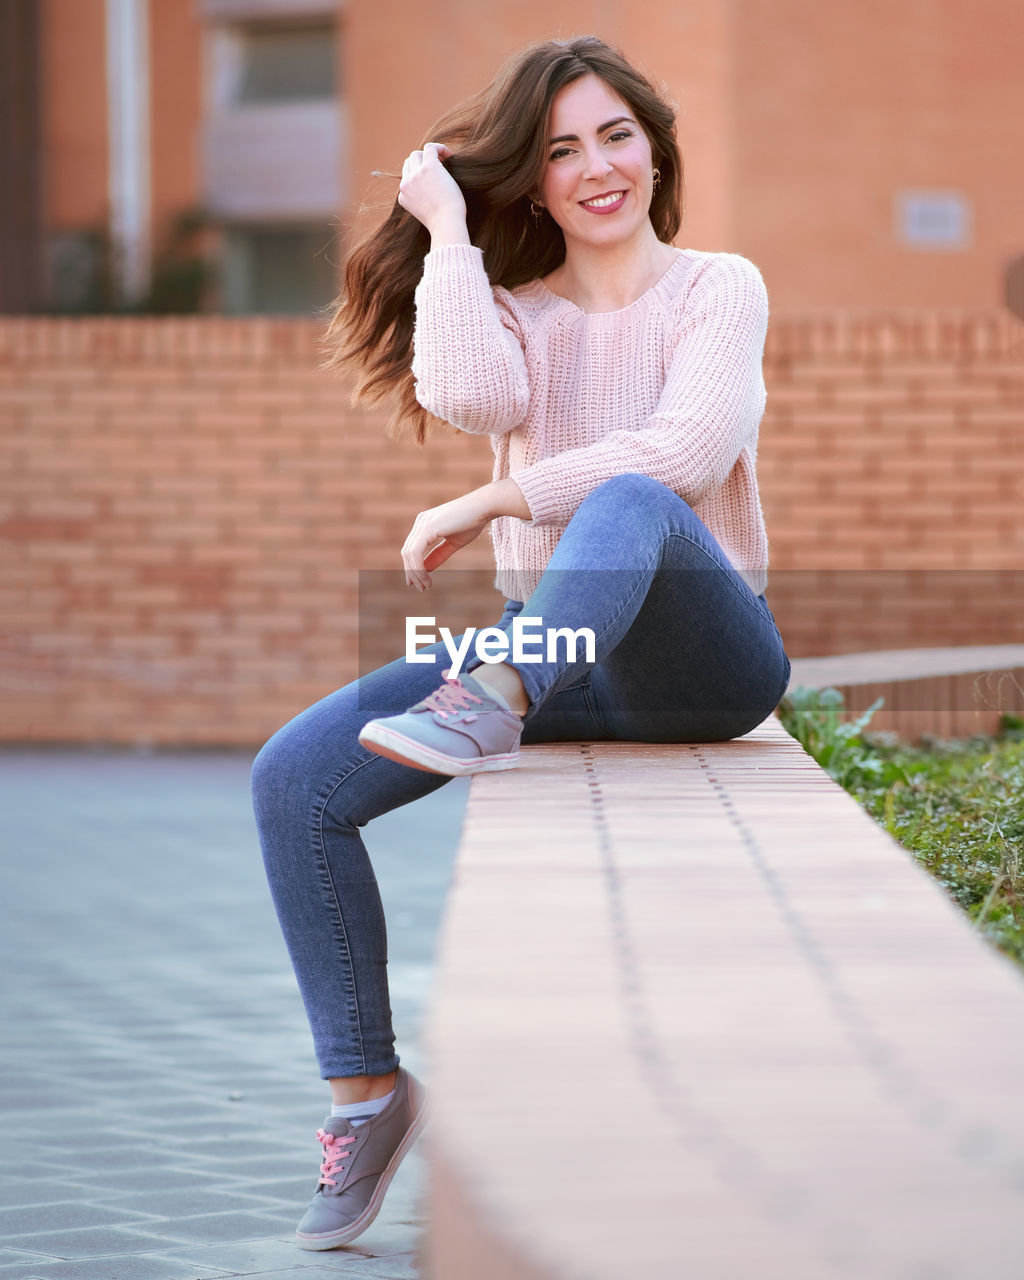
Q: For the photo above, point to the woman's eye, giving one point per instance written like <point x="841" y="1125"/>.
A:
<point x="620" y="135"/>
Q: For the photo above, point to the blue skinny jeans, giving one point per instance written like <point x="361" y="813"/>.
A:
<point x="685" y="652"/>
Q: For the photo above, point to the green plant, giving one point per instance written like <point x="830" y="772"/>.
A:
<point x="182" y="273"/>
<point x="1011" y="727"/>
<point x="961" y="813"/>
<point x="815" y="718"/>
<point x="87" y="268"/>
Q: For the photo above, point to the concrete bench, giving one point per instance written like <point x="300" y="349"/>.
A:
<point x="697" y="1016"/>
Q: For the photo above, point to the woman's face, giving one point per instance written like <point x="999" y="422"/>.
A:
<point x="598" y="180"/>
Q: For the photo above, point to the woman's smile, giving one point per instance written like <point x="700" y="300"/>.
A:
<point x="606" y="203"/>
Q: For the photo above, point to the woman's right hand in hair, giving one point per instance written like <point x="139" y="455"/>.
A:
<point x="430" y="193"/>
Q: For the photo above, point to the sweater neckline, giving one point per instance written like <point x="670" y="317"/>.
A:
<point x="659" y="284"/>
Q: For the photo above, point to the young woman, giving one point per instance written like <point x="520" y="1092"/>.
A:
<point x="526" y="286"/>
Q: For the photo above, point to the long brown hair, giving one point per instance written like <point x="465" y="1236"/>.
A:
<point x="499" y="141"/>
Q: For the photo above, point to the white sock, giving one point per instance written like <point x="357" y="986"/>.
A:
<point x="357" y="1113"/>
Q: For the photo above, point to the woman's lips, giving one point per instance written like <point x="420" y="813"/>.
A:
<point x="610" y="201"/>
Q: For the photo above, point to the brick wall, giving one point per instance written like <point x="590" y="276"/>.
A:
<point x="186" y="505"/>
<point x="892" y="475"/>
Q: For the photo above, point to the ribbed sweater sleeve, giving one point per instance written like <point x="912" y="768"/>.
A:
<point x="710" y="407"/>
<point x="468" y="361"/>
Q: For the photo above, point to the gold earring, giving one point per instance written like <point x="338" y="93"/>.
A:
<point x="536" y="212"/>
<point x="657" y="179"/>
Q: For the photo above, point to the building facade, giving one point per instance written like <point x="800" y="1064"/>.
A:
<point x="217" y="154"/>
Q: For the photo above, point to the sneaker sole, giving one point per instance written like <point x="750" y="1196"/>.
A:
<point x="332" y="1239"/>
<point x="396" y="746"/>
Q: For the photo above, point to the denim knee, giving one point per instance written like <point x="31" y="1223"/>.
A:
<point x="275" y="772"/>
<point x="632" y="487"/>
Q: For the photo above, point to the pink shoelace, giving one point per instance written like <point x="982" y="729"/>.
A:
<point x="451" y="697"/>
<point x="333" y="1157"/>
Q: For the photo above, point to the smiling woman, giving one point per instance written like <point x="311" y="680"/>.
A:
<point x="526" y="286"/>
<point x="498" y="148"/>
<point x="598" y="186"/>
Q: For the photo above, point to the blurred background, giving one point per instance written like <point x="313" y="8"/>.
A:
<point x="187" y="498"/>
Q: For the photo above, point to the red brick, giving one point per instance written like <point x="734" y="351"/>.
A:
<point x="997" y="416"/>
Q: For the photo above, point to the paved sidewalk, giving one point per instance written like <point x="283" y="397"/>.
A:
<point x="158" y="1091"/>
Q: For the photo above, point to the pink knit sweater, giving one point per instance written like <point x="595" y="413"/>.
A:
<point x="669" y="386"/>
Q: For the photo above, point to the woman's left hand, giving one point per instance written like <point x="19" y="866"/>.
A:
<point x="439" y="532"/>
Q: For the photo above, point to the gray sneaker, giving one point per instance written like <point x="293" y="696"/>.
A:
<point x="359" y="1163"/>
<point x="458" y="729"/>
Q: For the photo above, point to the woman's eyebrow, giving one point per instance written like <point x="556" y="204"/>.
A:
<point x="571" y="137"/>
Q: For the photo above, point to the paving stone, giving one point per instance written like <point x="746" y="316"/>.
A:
<point x="90" y="1242"/>
<point x="215" y="1228"/>
<point x="390" y="1236"/>
<point x="130" y="1267"/>
<point x="314" y="1270"/>
<point x="257" y="1171"/>
<point x="195" y="1134"/>
<point x="294" y="1191"/>
<point x="27" y="1169"/>
<point x="302" y="1094"/>
<point x="21" y="1099"/>
<point x="72" y="1140"/>
<point x="42" y="1190"/>
<point x="61" y="1214"/>
<point x="190" y="1201"/>
<point x="219" y="1146"/>
<point x="254" y="1257"/>
<point x="97" y="1159"/>
<point x="397" y="1268"/>
<point x="190" y="1110"/>
<point x="111" y="1181"/>
<point x="261" y="1159"/>
<point x="329" y="1264"/>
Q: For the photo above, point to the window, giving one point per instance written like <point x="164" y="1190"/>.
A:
<point x="278" y="270"/>
<point x="284" y="64"/>
<point x="273" y="151"/>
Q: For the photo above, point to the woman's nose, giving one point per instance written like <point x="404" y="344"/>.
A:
<point x="597" y="165"/>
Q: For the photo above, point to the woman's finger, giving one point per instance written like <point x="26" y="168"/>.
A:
<point x="414" y="551"/>
<point x="437" y="534"/>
